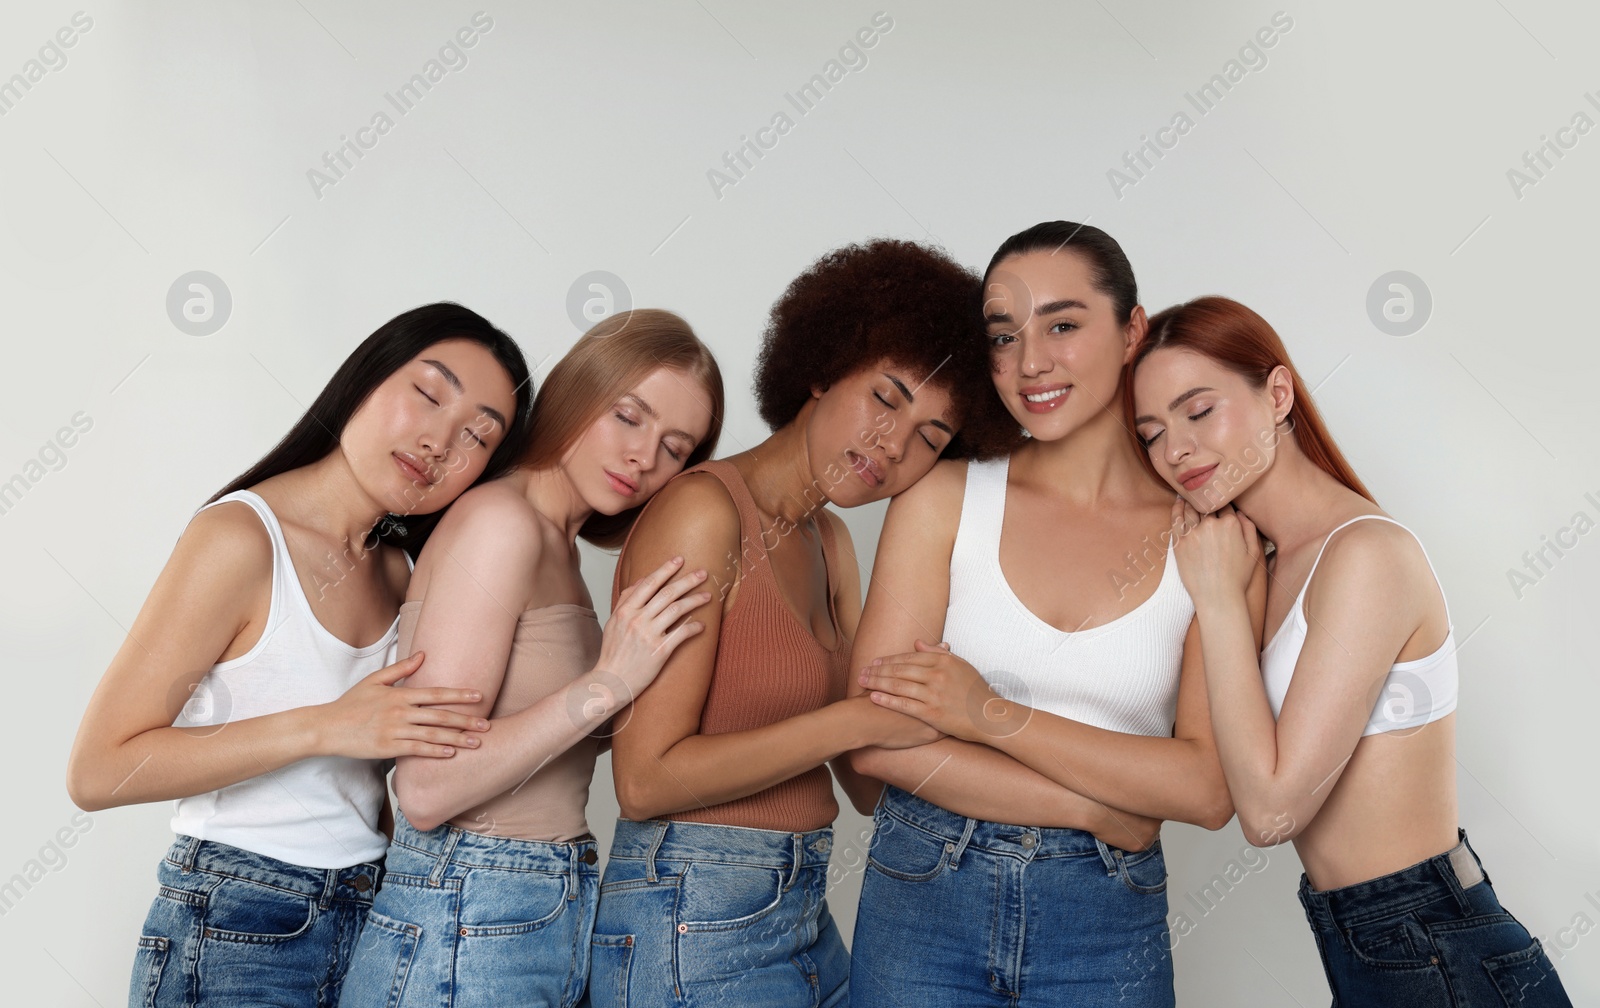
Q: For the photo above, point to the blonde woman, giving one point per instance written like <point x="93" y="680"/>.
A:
<point x="491" y="885"/>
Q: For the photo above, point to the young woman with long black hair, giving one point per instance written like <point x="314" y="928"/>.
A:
<point x="256" y="686"/>
<point x="1340" y="734"/>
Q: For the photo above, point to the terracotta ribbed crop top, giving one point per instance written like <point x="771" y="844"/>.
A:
<point x="768" y="667"/>
<point x="552" y="646"/>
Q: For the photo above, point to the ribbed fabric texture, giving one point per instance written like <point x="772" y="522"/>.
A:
<point x="1121" y="676"/>
<point x="768" y="668"/>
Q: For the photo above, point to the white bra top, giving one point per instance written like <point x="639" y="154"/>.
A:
<point x="1416" y="692"/>
<point x="1121" y="676"/>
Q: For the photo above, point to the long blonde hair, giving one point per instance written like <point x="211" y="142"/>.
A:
<point x="612" y="357"/>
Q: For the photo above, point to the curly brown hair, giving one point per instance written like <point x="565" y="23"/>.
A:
<point x="885" y="300"/>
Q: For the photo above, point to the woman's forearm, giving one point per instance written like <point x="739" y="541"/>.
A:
<point x="163" y="764"/>
<point x="977" y="781"/>
<point x="704" y="770"/>
<point x="1157" y="776"/>
<point x="1241" y="717"/>
<point x="433" y="791"/>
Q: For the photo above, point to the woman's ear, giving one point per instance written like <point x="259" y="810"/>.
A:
<point x="817" y="390"/>
<point x="1280" y="386"/>
<point x="1134" y="332"/>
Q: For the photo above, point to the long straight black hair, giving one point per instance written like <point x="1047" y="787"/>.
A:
<point x="380" y="355"/>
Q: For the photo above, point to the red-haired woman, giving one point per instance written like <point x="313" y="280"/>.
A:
<point x="1340" y="735"/>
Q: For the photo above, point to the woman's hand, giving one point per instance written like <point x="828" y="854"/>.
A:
<point x="1126" y="830"/>
<point x="1217" y="553"/>
<point x="886" y="729"/>
<point x="640" y="636"/>
<point x="375" y="719"/>
<point x="947" y="693"/>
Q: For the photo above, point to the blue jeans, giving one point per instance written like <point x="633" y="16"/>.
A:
<point x="703" y="915"/>
<point x="1431" y="935"/>
<point x="464" y="919"/>
<point x="232" y="927"/>
<point x="960" y="911"/>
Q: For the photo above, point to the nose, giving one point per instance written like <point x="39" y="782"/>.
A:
<point x="893" y="443"/>
<point x="1177" y="448"/>
<point x="640" y="451"/>
<point x="1034" y="359"/>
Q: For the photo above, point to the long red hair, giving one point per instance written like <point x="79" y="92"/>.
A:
<point x="1238" y="339"/>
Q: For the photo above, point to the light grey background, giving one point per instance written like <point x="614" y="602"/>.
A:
<point x="1377" y="137"/>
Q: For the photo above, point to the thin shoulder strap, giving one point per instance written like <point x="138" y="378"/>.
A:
<point x="1329" y="538"/>
<point x="1391" y="521"/>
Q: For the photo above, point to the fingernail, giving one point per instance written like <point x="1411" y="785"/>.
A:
<point x="677" y="559"/>
<point x="474" y="696"/>
<point x="482" y="725"/>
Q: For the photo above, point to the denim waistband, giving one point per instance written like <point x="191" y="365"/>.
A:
<point x="1444" y="876"/>
<point x="963" y="833"/>
<point x="453" y="845"/>
<point x="189" y="854"/>
<point x="652" y="840"/>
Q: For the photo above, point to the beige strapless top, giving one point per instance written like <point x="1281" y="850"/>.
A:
<point x="552" y="646"/>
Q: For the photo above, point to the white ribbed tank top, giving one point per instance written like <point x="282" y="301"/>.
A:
<point x="1120" y="676"/>
<point x="319" y="812"/>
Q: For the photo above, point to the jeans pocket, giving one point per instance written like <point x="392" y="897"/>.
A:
<point x="1394" y="943"/>
<point x="381" y="963"/>
<point x="510" y="902"/>
<point x="1526" y="978"/>
<point x="904" y="852"/>
<point x="610" y="957"/>
<point x="1144" y="872"/>
<point x="241" y="911"/>
<point x="147" y="965"/>
<point x="719" y="897"/>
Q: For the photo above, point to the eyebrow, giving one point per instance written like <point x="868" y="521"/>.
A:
<point x="455" y="383"/>
<point x="650" y="411"/>
<point x="1048" y="308"/>
<point x="1174" y="404"/>
<point x="910" y="398"/>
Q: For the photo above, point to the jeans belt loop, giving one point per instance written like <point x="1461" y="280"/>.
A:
<point x="659" y="826"/>
<point x="1467" y="870"/>
<point x="191" y="851"/>
<point x="961" y="845"/>
<point x="452" y="836"/>
<point x="797" y="853"/>
<point x="330" y="885"/>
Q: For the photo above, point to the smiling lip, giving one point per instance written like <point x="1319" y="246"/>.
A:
<point x="1044" y="398"/>
<point x="412" y="467"/>
<point x="1196" y="478"/>
<point x="870" y="472"/>
<point x="621" y="484"/>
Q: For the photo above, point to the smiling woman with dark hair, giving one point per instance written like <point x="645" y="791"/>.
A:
<point x="714" y="892"/>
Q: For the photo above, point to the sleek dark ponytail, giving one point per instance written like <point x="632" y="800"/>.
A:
<point x="380" y="355"/>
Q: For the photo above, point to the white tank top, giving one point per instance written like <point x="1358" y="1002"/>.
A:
<point x="319" y="812"/>
<point x="1121" y="676"/>
<point x="1415" y="693"/>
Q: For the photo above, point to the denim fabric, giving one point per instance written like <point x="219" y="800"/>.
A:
<point x="1418" y="938"/>
<point x="694" y="914"/>
<point x="960" y="911"/>
<point x="465" y="920"/>
<point x="232" y="927"/>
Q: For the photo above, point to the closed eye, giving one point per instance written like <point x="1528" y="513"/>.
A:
<point x="426" y="395"/>
<point x="1148" y="441"/>
<point x="1203" y="413"/>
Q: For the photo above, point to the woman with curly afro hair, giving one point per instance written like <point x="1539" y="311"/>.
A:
<point x="872" y="368"/>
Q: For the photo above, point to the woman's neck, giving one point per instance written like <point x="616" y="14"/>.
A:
<point x="1094" y="464"/>
<point x="552" y="494"/>
<point x="778" y="473"/>
<point x="325" y="497"/>
<point x="1295" y="502"/>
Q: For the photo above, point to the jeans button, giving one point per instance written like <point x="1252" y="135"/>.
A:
<point x="1028" y="841"/>
<point x="361" y="883"/>
<point x="589" y="856"/>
